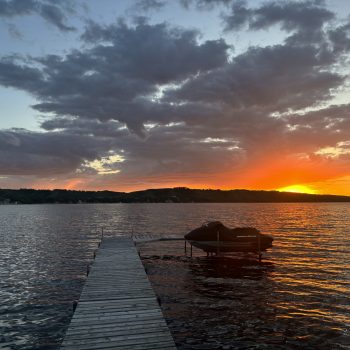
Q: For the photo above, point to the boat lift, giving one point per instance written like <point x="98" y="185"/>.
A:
<point x="219" y="245"/>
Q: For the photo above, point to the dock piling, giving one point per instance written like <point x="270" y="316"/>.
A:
<point x="259" y="248"/>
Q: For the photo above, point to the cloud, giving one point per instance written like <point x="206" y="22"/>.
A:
<point x="205" y="4"/>
<point x="114" y="78"/>
<point x="182" y="110"/>
<point x="13" y="31"/>
<point x="11" y="8"/>
<point x="156" y="53"/>
<point x="146" y="5"/>
<point x="340" y="37"/>
<point x="239" y="16"/>
<point x="293" y="15"/>
<point x="54" y="15"/>
<point x="19" y="75"/>
<point x="306" y="15"/>
<point x="34" y="153"/>
<point x="296" y="78"/>
<point x="54" y="12"/>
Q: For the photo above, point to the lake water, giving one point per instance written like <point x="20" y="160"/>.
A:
<point x="298" y="298"/>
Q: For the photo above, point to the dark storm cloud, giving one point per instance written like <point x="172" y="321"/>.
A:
<point x="53" y="12"/>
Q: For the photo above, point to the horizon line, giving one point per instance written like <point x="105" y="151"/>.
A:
<point x="176" y="187"/>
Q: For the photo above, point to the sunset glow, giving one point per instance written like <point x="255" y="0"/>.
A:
<point x="297" y="189"/>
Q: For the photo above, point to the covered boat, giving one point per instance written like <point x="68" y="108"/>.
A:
<point x="216" y="237"/>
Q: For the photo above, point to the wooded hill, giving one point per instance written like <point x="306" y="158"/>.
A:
<point x="163" y="195"/>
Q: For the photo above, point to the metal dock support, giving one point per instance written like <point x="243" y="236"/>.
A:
<point x="118" y="308"/>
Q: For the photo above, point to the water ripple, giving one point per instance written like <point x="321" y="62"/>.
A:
<point x="297" y="298"/>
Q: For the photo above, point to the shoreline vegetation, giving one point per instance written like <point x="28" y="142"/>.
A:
<point x="162" y="195"/>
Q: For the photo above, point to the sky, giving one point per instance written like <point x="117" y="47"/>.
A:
<point x="129" y="95"/>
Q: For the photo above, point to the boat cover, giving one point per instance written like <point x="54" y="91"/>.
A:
<point x="210" y="230"/>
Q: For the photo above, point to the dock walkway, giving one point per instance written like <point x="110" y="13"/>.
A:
<point x="118" y="308"/>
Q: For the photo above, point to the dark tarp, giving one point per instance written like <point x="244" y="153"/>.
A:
<point x="209" y="232"/>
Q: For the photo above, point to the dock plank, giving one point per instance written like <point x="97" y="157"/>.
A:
<point x="118" y="308"/>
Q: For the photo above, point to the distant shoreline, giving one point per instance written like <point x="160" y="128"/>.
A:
<point x="162" y="195"/>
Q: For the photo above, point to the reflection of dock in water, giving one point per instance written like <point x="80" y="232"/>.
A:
<point x="118" y="308"/>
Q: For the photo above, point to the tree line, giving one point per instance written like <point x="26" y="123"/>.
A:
<point x="163" y="195"/>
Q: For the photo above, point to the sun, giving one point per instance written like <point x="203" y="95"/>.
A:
<point x="297" y="189"/>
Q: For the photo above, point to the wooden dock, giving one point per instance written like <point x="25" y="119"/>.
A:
<point x="118" y="308"/>
<point x="145" y="238"/>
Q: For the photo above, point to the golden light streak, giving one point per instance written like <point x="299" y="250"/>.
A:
<point x="297" y="189"/>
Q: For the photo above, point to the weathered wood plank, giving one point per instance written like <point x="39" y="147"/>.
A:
<point x="131" y="345"/>
<point x="150" y="346"/>
<point x="115" y="327"/>
<point x="98" y="332"/>
<point x="128" y="338"/>
<point x="118" y="308"/>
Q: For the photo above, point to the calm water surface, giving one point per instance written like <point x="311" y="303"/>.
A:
<point x="298" y="298"/>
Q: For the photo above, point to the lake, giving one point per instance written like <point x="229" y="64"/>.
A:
<point x="297" y="298"/>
